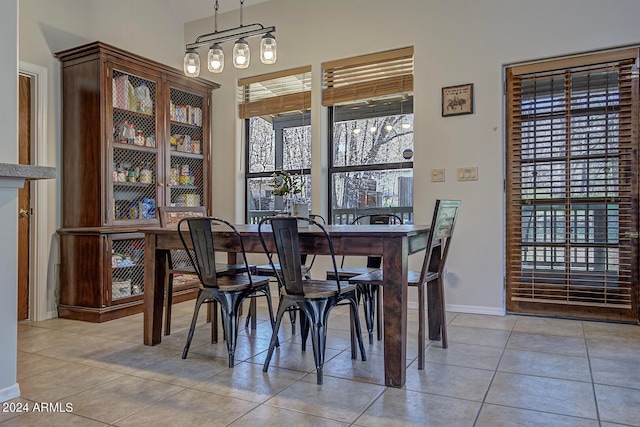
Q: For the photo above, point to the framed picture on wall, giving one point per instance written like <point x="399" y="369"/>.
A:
<point x="457" y="100"/>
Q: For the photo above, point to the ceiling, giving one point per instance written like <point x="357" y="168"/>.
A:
<point x="190" y="10"/>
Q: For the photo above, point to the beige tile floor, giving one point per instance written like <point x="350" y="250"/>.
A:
<point x="497" y="371"/>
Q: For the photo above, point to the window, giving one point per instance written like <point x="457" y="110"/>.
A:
<point x="571" y="208"/>
<point x="368" y="172"/>
<point x="371" y="147"/>
<point x="276" y="109"/>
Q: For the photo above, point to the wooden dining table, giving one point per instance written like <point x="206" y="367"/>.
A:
<point x="393" y="242"/>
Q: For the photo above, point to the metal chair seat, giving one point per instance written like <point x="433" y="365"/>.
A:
<point x="315" y="289"/>
<point x="239" y="283"/>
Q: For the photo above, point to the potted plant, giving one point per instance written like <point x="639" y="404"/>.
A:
<point x="289" y="185"/>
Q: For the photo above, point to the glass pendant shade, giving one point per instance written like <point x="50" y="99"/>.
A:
<point x="268" y="52"/>
<point x="215" y="59"/>
<point x="191" y="63"/>
<point x="241" y="54"/>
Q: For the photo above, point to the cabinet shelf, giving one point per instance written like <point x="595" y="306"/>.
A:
<point x="186" y="125"/>
<point x="186" y="155"/>
<point x="134" y="113"/>
<point x="132" y="184"/>
<point x="133" y="147"/>
<point x="184" y="187"/>
<point x="127" y="267"/>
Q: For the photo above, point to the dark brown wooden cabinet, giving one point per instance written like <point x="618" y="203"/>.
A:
<point x="135" y="136"/>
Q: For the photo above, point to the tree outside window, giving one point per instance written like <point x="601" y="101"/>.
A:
<point x="372" y="167"/>
<point x="281" y="143"/>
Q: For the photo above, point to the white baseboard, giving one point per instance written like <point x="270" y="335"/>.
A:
<point x="51" y="314"/>
<point x="10" y="393"/>
<point x="493" y="311"/>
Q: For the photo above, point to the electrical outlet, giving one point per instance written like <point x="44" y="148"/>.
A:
<point x="468" y="173"/>
<point x="437" y="175"/>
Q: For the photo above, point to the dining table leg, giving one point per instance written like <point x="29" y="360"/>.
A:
<point x="154" y="278"/>
<point x="394" y="301"/>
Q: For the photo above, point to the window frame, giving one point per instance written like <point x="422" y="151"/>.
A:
<point x="403" y="107"/>
<point x="285" y="122"/>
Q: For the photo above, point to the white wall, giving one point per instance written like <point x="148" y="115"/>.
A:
<point x="9" y="202"/>
<point x="456" y="42"/>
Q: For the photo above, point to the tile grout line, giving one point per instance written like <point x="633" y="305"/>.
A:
<point x="593" y="385"/>
<point x="495" y="372"/>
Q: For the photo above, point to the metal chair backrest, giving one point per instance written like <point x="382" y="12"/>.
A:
<point x="284" y="231"/>
<point x="375" y="261"/>
<point x="303" y="257"/>
<point x="443" y="223"/>
<point x="203" y="255"/>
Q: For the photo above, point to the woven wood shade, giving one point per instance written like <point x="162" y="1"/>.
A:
<point x="367" y="76"/>
<point x="275" y="93"/>
<point x="572" y="187"/>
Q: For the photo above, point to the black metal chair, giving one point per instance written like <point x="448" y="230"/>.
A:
<point x="227" y="290"/>
<point x="178" y="263"/>
<point x="429" y="278"/>
<point x="315" y="298"/>
<point x="267" y="270"/>
<point x="370" y="293"/>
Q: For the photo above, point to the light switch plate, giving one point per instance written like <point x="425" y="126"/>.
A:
<point x="468" y="173"/>
<point x="437" y="175"/>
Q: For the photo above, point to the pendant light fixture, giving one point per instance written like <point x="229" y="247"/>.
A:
<point x="191" y="63"/>
<point x="268" y="53"/>
<point x="241" y="54"/>
<point x="241" y="50"/>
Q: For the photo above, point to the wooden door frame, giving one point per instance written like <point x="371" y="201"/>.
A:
<point x="40" y="272"/>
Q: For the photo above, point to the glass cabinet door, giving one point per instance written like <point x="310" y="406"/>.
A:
<point x="127" y="267"/>
<point x="186" y="175"/>
<point x="134" y="166"/>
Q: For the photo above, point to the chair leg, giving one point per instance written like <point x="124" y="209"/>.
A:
<point x="422" y="337"/>
<point x="214" y="321"/>
<point x="167" y="319"/>
<point x="253" y="312"/>
<point x="352" y="328"/>
<point x="443" y="314"/>
<point x="292" y="319"/>
<point x="358" y="331"/>
<point x="282" y="308"/>
<point x="248" y="319"/>
<point x="379" y="311"/>
<point x="202" y="296"/>
<point x="304" y="330"/>
<point x="317" y="312"/>
<point x="230" y="304"/>
<point x="368" y="296"/>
